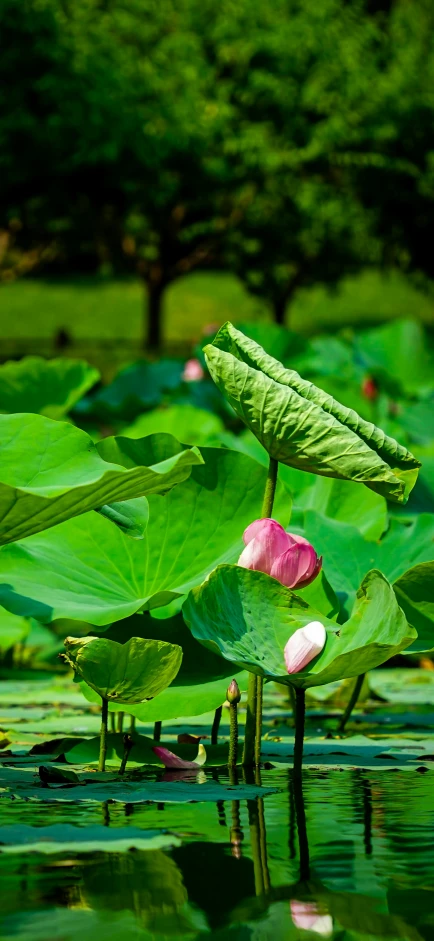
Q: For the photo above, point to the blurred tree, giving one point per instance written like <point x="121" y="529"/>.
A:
<point x="282" y="140"/>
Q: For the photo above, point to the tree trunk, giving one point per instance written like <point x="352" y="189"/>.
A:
<point x="279" y="308"/>
<point x="153" y="321"/>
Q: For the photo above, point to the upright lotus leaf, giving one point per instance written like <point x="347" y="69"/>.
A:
<point x="201" y="682"/>
<point x="190" y="424"/>
<point x="51" y="471"/>
<point x="248" y="618"/>
<point x="48" y="386"/>
<point x="87" y="569"/>
<point x="300" y="425"/>
<point x="415" y="593"/>
<point x="13" y="630"/>
<point x="348" y="557"/>
<point x="134" y="389"/>
<point x="124" y="673"/>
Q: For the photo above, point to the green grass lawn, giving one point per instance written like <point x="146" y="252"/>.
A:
<point x="93" y="310"/>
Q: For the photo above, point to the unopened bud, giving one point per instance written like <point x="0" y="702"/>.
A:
<point x="233" y="694"/>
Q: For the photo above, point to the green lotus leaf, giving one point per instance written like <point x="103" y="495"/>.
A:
<point x="415" y="593"/>
<point x="52" y="471"/>
<point x="51" y="387"/>
<point x="248" y="618"/>
<point x="300" y="425"/>
<point x="347" y="502"/>
<point x="135" y="388"/>
<point x="202" y="680"/>
<point x="124" y="673"/>
<point x="348" y="557"/>
<point x="189" y="424"/>
<point x="87" y="569"/>
<point x="13" y="630"/>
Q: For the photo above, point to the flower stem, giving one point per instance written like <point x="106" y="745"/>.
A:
<point x="351" y="703"/>
<point x="120" y="721"/>
<point x="270" y="489"/>
<point x="258" y="723"/>
<point x="216" y="726"/>
<point x="103" y="735"/>
<point x="157" y="731"/>
<point x="233" y="735"/>
<point x="132" y="723"/>
<point x="128" y="744"/>
<point x="250" y="728"/>
<point x="113" y="722"/>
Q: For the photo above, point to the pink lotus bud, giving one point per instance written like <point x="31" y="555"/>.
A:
<point x="289" y="558"/>
<point x="170" y="760"/>
<point x="193" y="371"/>
<point x="233" y="694"/>
<point x="307" y="915"/>
<point x="304" y="645"/>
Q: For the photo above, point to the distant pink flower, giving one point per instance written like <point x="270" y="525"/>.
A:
<point x="170" y="760"/>
<point x="193" y="371"/>
<point x="307" y="915"/>
<point x="304" y="645"/>
<point x="289" y="558"/>
<point x="209" y="329"/>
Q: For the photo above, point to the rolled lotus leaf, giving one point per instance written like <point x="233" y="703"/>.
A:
<point x="302" y="426"/>
<point x="124" y="673"/>
<point x="248" y="617"/>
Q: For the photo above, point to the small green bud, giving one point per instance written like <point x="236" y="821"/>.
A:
<point x="233" y="694"/>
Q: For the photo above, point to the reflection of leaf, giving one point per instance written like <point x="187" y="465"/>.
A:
<point x="52" y="471"/>
<point x="248" y="617"/>
<point x="66" y="838"/>
<point x="301" y="425"/>
<point x="87" y="569"/>
<point x="51" y="387"/>
<point x="125" y="673"/>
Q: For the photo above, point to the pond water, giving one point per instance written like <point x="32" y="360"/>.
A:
<point x="233" y="869"/>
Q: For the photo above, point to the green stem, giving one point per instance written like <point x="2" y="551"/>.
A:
<point x="351" y="703"/>
<point x="103" y="735"/>
<point x="297" y="778"/>
<point x="255" y="845"/>
<point x="132" y="723"/>
<point x="112" y="722"/>
<point x="157" y="731"/>
<point x="216" y="726"/>
<point x="236" y="832"/>
<point x="120" y="722"/>
<point x="128" y="744"/>
<point x="250" y="728"/>
<point x="258" y="722"/>
<point x="270" y="489"/>
<point x="233" y="735"/>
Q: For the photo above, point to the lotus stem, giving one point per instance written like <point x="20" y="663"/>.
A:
<point x="250" y="728"/>
<point x="258" y="723"/>
<point x="103" y="735"/>
<point x="216" y="726"/>
<point x="157" y="731"/>
<point x="297" y="778"/>
<point x="270" y="489"/>
<point x="236" y="833"/>
<point x="112" y="722"/>
<point x="351" y="703"/>
<point x="120" y="722"/>
<point x="128" y="744"/>
<point x="132" y="723"/>
<point x="233" y="735"/>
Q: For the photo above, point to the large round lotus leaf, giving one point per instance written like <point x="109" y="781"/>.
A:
<point x="415" y="593"/>
<point x="127" y="673"/>
<point x="48" y="386"/>
<point x="88" y="570"/>
<point x="248" y="618"/>
<point x="301" y="425"/>
<point x="52" y="471"/>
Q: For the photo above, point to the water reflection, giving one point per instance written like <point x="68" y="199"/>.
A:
<point x="353" y="854"/>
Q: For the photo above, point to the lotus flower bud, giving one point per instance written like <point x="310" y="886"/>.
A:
<point x="233" y="694"/>
<point x="285" y="556"/>
<point x="193" y="371"/>
<point x="304" y="645"/>
<point x="307" y="915"/>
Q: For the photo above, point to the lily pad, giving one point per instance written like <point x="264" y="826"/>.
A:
<point x="303" y="426"/>
<point x="87" y="569"/>
<point x="171" y="792"/>
<point x="52" y="471"/>
<point x="248" y="618"/>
